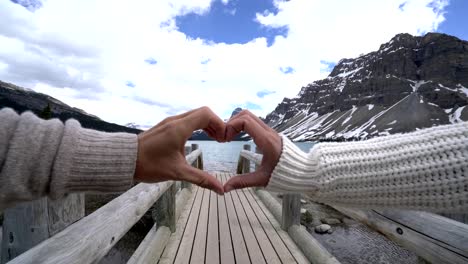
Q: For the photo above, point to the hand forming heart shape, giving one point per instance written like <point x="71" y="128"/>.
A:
<point x="161" y="154"/>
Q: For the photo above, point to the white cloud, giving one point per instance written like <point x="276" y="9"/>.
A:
<point x="83" y="52"/>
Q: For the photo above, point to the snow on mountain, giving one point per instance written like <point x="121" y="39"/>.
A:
<point x="408" y="84"/>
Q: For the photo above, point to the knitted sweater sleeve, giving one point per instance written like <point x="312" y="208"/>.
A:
<point x="422" y="170"/>
<point x="39" y="158"/>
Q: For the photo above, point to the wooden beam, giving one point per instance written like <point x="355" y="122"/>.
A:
<point x="88" y="240"/>
<point x="432" y="237"/>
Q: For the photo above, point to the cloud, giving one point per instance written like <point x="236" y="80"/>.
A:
<point x="287" y="70"/>
<point x="130" y="84"/>
<point x="252" y="106"/>
<point x="264" y="93"/>
<point x="151" y="61"/>
<point x="84" y="52"/>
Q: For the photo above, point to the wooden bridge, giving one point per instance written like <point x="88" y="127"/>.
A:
<point x="194" y="225"/>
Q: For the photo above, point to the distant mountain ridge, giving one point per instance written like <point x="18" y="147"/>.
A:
<point x="409" y="83"/>
<point x="22" y="99"/>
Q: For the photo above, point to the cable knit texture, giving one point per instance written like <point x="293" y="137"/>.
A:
<point x="422" y="170"/>
<point x="39" y="158"/>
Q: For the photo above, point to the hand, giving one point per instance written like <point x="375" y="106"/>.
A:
<point x="161" y="150"/>
<point x="265" y="138"/>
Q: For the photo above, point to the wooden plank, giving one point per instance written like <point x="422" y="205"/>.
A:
<point x="199" y="244"/>
<point x="444" y="231"/>
<point x="276" y="241"/>
<point x="155" y="242"/>
<point x="212" y="243"/>
<point x="151" y="248"/>
<point x="421" y="244"/>
<point x="185" y="247"/>
<point x="240" y="249"/>
<point x="88" y="240"/>
<point x="225" y="243"/>
<point x="253" y="248"/>
<point x="170" y="252"/>
<point x="268" y="251"/>
<point x="292" y="247"/>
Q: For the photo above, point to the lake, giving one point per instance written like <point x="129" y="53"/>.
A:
<point x="224" y="156"/>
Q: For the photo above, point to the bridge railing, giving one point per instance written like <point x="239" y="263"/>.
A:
<point x="90" y="239"/>
<point x="432" y="237"/>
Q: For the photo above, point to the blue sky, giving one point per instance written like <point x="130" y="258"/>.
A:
<point x="456" y="22"/>
<point x="164" y="57"/>
<point x="231" y="22"/>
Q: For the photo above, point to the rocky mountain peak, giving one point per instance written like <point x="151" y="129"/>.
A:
<point x="431" y="69"/>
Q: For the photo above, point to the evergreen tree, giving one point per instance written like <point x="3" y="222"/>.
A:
<point x="46" y="112"/>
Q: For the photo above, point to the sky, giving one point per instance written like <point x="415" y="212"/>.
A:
<point x="143" y="60"/>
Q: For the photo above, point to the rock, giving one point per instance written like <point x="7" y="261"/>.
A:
<point x="331" y="221"/>
<point x="303" y="211"/>
<point x="322" y="229"/>
<point x="427" y="74"/>
<point x="303" y="201"/>
<point x="330" y="231"/>
<point x="280" y="195"/>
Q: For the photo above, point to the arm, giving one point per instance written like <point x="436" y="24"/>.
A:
<point x="39" y="157"/>
<point x="422" y="170"/>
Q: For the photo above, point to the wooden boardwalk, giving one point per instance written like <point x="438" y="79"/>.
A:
<point x="234" y="228"/>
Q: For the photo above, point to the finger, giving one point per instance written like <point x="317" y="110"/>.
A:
<point x="172" y="118"/>
<point x="257" y="178"/>
<point x="254" y="118"/>
<point x="204" y="118"/>
<point x="247" y="124"/>
<point x="202" y="179"/>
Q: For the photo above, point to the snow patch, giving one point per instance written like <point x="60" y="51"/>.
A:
<point x="392" y="123"/>
<point x="455" y="117"/>
<point x="350" y="115"/>
<point x="417" y="84"/>
<point x="462" y="89"/>
<point x="345" y="74"/>
<point x="370" y="107"/>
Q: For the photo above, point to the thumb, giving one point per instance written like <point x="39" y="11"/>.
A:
<point x="253" y="179"/>
<point x="202" y="179"/>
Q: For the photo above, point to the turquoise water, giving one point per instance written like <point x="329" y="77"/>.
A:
<point x="224" y="156"/>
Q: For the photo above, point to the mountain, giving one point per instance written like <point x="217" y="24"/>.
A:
<point x="22" y="99"/>
<point x="409" y="83"/>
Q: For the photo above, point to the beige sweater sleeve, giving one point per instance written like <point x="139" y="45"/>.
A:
<point x="39" y="158"/>
<point x="422" y="170"/>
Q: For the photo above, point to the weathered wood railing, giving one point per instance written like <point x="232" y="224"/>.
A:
<point x="434" y="238"/>
<point x="89" y="239"/>
<point x="288" y="213"/>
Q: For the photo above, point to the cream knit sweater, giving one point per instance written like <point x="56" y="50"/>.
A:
<point x="39" y="158"/>
<point x="423" y="170"/>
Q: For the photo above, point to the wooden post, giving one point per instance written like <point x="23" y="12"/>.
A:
<point x="29" y="223"/>
<point x="258" y="151"/>
<point x="291" y="211"/>
<point x="195" y="164"/>
<point x="246" y="162"/>
<point x="164" y="209"/>
<point x="185" y="184"/>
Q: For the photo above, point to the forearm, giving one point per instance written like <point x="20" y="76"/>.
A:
<point x="423" y="170"/>
<point x="40" y="158"/>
